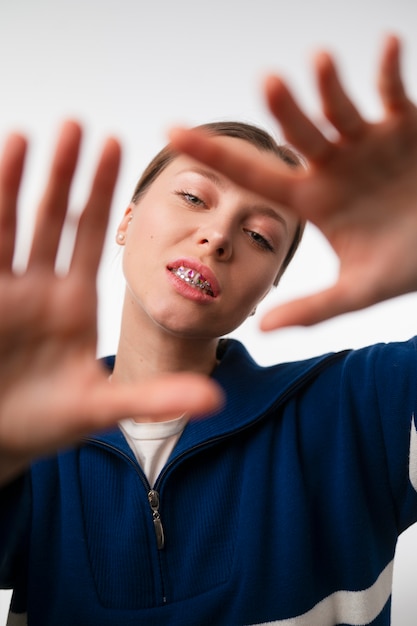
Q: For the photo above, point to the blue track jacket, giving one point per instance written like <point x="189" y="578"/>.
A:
<point x="282" y="509"/>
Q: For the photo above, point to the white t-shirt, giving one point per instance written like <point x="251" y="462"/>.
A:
<point x="152" y="442"/>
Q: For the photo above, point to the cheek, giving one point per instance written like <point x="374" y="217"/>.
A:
<point x="258" y="277"/>
<point x="141" y="238"/>
<point x="248" y="294"/>
<point x="155" y="227"/>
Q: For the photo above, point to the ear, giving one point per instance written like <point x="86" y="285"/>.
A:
<point x="124" y="225"/>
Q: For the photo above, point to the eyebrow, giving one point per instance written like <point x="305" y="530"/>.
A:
<point x="209" y="174"/>
<point x="268" y="211"/>
<point x="262" y="209"/>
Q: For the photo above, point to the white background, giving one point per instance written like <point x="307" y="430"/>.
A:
<point x="133" y="68"/>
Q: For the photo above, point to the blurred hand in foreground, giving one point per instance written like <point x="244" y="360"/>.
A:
<point x="360" y="187"/>
<point x="53" y="391"/>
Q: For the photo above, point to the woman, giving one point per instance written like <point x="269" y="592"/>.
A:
<point x="284" y="505"/>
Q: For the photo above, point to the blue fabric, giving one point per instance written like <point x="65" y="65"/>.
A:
<point x="296" y="490"/>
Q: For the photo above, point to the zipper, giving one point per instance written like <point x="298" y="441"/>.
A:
<point x="153" y="499"/>
<point x="153" y="495"/>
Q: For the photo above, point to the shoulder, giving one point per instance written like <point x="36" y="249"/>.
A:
<point x="381" y="365"/>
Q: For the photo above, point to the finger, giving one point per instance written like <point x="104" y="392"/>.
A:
<point x="337" y="106"/>
<point x="157" y="397"/>
<point x="261" y="172"/>
<point x="298" y="129"/>
<point x="53" y="206"/>
<point x="338" y="299"/>
<point x="11" y="170"/>
<point x="107" y="403"/>
<point x="390" y="84"/>
<point x="93" y="222"/>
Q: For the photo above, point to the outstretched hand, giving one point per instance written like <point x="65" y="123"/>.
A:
<point x="360" y="187"/>
<point x="53" y="391"/>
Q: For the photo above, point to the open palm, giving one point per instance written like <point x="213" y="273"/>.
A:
<point x="52" y="388"/>
<point x="359" y="189"/>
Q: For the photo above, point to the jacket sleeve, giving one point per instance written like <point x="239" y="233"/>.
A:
<point x="360" y="433"/>
<point x="385" y="379"/>
<point x="14" y="525"/>
<point x="396" y="380"/>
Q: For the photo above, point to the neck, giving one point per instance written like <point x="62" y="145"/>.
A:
<point x="136" y="359"/>
<point x="145" y="349"/>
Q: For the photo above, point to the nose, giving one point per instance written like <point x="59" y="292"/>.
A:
<point x="217" y="243"/>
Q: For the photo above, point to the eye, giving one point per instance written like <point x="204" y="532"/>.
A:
<point x="190" y="198"/>
<point x="259" y="241"/>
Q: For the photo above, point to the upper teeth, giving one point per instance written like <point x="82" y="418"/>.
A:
<point x="192" y="277"/>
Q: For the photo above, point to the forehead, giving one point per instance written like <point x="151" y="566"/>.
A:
<point x="182" y="165"/>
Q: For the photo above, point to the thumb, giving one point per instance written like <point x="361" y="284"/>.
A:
<point x="316" y="308"/>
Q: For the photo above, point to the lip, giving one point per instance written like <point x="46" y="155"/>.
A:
<point x="199" y="267"/>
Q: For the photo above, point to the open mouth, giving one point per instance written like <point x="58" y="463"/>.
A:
<point x="193" y="278"/>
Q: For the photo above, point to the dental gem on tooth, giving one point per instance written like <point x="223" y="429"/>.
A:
<point x="193" y="277"/>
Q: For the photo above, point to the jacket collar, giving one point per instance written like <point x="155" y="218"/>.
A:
<point x="251" y="392"/>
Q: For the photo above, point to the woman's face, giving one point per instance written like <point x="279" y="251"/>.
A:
<point x="200" y="252"/>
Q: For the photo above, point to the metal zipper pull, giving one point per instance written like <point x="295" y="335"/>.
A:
<point x="153" y="497"/>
